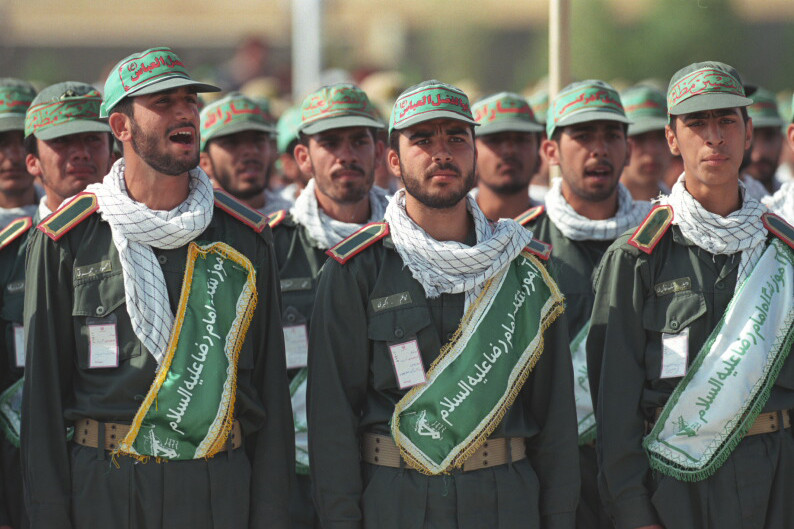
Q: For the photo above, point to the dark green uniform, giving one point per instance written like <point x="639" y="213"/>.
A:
<point x="573" y="262"/>
<point x="639" y="296"/>
<point x="68" y="485"/>
<point x="353" y="389"/>
<point x="299" y="263"/>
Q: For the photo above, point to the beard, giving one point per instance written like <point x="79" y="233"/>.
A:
<point x="147" y="147"/>
<point x="226" y="180"/>
<point x="439" y="200"/>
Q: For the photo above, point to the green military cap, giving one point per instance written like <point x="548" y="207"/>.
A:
<point x="287" y="128"/>
<point x="585" y="101"/>
<point x="63" y="109"/>
<point x="764" y="110"/>
<point x="705" y="86"/>
<point x="646" y="107"/>
<point x="502" y="112"/>
<point x="234" y="113"/>
<point x="539" y="101"/>
<point x="147" y="72"/>
<point x="16" y="96"/>
<point x="430" y="100"/>
<point x="337" y="106"/>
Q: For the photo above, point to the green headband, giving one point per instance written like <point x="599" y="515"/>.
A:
<point x="705" y="86"/>
<point x="646" y="107"/>
<point x="63" y="109"/>
<point x="15" y="98"/>
<point x="503" y="112"/>
<point x="585" y="101"/>
<point x="234" y="113"/>
<point x="335" y="107"/>
<point x="764" y="110"/>
<point x="430" y="100"/>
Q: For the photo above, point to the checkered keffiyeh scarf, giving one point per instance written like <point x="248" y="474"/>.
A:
<point x="449" y="267"/>
<point x="782" y="202"/>
<point x="136" y="229"/>
<point x="741" y="231"/>
<point x="325" y="231"/>
<point x="578" y="228"/>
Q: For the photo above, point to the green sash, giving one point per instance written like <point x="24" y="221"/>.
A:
<point x="11" y="411"/>
<point x="732" y="376"/>
<point x="189" y="410"/>
<point x="478" y="375"/>
<point x="581" y="387"/>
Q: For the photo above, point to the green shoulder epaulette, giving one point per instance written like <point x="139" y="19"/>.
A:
<point x="650" y="231"/>
<point x="363" y="238"/>
<point x="779" y="227"/>
<point x="69" y="215"/>
<point x="539" y="248"/>
<point x="530" y="215"/>
<point x="13" y="231"/>
<point x="242" y="212"/>
<point x="276" y="218"/>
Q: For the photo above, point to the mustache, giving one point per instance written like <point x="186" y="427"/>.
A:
<point x="448" y="166"/>
<point x="602" y="163"/>
<point x="512" y="160"/>
<point x="181" y="126"/>
<point x="354" y="167"/>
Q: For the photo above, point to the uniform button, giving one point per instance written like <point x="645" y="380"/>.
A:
<point x="290" y="318"/>
<point x="673" y="324"/>
<point x="720" y="285"/>
<point x="398" y="332"/>
<point x="100" y="310"/>
<point x="162" y="259"/>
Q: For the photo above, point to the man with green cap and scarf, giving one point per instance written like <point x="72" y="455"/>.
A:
<point x="152" y="328"/>
<point x="18" y="195"/>
<point x="337" y="146"/>
<point x="691" y="329"/>
<point x="237" y="150"/>
<point x="585" y="210"/>
<point x="429" y="404"/>
<point x="761" y="160"/>
<point x="68" y="148"/>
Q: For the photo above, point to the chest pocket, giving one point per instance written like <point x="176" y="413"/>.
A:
<point x="669" y="314"/>
<point x="102" y="300"/>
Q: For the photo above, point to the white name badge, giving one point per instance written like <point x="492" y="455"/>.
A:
<point x="296" y="345"/>
<point x="19" y="344"/>
<point x="408" y="364"/>
<point x="675" y="353"/>
<point x="103" y="348"/>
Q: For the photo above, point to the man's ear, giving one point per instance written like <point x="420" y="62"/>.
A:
<point x="206" y="164"/>
<point x="393" y="159"/>
<point x="304" y="161"/>
<point x="120" y="125"/>
<point x="33" y="165"/>
<point x="550" y="151"/>
<point x="672" y="141"/>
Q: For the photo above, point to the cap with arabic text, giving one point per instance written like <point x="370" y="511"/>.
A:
<point x="337" y="106"/>
<point x="63" y="109"/>
<point x="504" y="112"/>
<point x="16" y="96"/>
<point x="646" y="107"/>
<point x="585" y="101"/>
<point x="235" y="113"/>
<point x="764" y="110"/>
<point x="150" y="71"/>
<point x="430" y="100"/>
<point x="539" y="101"/>
<point x="703" y="86"/>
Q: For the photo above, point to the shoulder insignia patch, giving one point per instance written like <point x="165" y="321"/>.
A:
<point x="14" y="230"/>
<point x="650" y="230"/>
<point x="275" y="218"/>
<point x="69" y="215"/>
<point x="363" y="238"/>
<point x="530" y="215"/>
<point x="778" y="226"/>
<point x="539" y="249"/>
<point x="242" y="212"/>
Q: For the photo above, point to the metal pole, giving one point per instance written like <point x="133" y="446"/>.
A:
<point x="307" y="16"/>
<point x="559" y="45"/>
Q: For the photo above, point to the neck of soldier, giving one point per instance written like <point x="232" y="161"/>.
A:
<point x="255" y="202"/>
<point x="502" y="205"/>
<point x="442" y="224"/>
<point x="722" y="199"/>
<point x="641" y="190"/>
<point x="353" y="212"/>
<point x="155" y="190"/>
<point x="591" y="209"/>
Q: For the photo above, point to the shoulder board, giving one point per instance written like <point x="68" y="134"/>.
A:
<point x="242" y="212"/>
<point x="363" y="238"/>
<point x="14" y="230"/>
<point x="530" y="215"/>
<point x="69" y="215"/>
<point x="776" y="225"/>
<point x="539" y="249"/>
<point x="650" y="231"/>
<point x="277" y="217"/>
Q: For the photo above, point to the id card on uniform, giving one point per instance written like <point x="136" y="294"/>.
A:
<point x="296" y="345"/>
<point x="103" y="347"/>
<point x="408" y="364"/>
<point x="19" y="344"/>
<point x="675" y="354"/>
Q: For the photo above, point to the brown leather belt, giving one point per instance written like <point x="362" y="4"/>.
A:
<point x="86" y="433"/>
<point x="380" y="450"/>
<point x="768" y="422"/>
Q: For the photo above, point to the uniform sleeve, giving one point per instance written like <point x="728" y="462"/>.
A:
<point x="274" y="444"/>
<point x="554" y="452"/>
<point x="615" y="358"/>
<point x="49" y="339"/>
<point x="338" y="368"/>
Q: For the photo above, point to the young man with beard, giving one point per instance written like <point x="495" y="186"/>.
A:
<point x="585" y="211"/>
<point x="237" y="150"/>
<point x="140" y="290"/>
<point x="508" y="141"/>
<point x="18" y="195"/>
<point x="690" y="336"/>
<point x="337" y="148"/>
<point x="68" y="148"/>
<point x="650" y="158"/>
<point x="768" y="138"/>
<point x="417" y="366"/>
